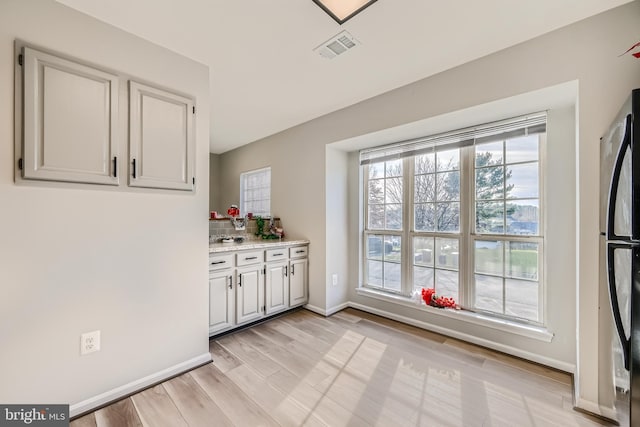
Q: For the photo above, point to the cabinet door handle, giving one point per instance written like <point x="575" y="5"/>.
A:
<point x="285" y="271"/>
<point x="250" y="258"/>
<point x="292" y="269"/>
<point x="230" y="282"/>
<point x="115" y="167"/>
<point x="218" y="262"/>
<point x="240" y="280"/>
<point x="134" y="168"/>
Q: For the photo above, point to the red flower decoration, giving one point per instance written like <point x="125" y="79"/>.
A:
<point x="427" y="295"/>
<point x="430" y="298"/>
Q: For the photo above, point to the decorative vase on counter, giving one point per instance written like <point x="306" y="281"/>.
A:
<point x="233" y="211"/>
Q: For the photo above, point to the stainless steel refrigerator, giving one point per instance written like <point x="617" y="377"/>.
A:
<point x="620" y="243"/>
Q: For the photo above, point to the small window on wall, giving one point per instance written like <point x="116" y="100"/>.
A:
<point x="255" y="192"/>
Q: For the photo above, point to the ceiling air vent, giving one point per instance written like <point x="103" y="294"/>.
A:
<point x="336" y="45"/>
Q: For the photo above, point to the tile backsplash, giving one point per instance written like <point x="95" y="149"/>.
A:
<point x="224" y="228"/>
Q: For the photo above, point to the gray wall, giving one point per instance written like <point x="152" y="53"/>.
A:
<point x="214" y="188"/>
<point x="76" y="258"/>
<point x="586" y="52"/>
<point x="337" y="214"/>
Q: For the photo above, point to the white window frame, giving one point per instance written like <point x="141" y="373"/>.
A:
<point x="244" y="177"/>
<point x="504" y="238"/>
<point x="466" y="236"/>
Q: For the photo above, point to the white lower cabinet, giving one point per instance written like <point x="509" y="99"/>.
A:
<point x="250" y="294"/>
<point x="298" y="282"/>
<point x="243" y="288"/>
<point x="277" y="287"/>
<point x="221" y="301"/>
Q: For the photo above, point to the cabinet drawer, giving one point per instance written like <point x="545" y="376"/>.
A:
<point x="246" y="258"/>
<point x="276" y="254"/>
<point x="298" y="252"/>
<point x="219" y="262"/>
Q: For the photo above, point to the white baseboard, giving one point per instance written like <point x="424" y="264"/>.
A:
<point x="337" y="308"/>
<point x="594" y="408"/>
<point x="328" y="311"/>
<point x="563" y="366"/>
<point x="134" y="386"/>
<point x="318" y="310"/>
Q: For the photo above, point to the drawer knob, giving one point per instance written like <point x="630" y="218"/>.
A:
<point x="218" y="262"/>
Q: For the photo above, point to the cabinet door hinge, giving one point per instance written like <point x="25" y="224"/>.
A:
<point x="20" y="164"/>
<point x="20" y="59"/>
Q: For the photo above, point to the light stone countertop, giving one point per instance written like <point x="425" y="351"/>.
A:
<point x="254" y="244"/>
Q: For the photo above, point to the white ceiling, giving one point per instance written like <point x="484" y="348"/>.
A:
<point x="265" y="77"/>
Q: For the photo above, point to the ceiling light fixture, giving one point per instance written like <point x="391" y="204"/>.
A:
<point x="343" y="10"/>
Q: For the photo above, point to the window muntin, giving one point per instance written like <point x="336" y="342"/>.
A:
<point x="507" y="187"/>
<point x="507" y="205"/>
<point x="436" y="264"/>
<point x="436" y="191"/>
<point x="494" y="263"/>
<point x="384" y="261"/>
<point x="385" y="194"/>
<point x="255" y="192"/>
<point x="506" y="278"/>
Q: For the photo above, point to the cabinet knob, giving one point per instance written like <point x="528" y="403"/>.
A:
<point x="230" y="282"/>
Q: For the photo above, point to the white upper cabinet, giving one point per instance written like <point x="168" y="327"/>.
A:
<point x="70" y="115"/>
<point x="161" y="139"/>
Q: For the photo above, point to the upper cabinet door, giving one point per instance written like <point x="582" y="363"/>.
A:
<point x="70" y="115"/>
<point x="162" y="148"/>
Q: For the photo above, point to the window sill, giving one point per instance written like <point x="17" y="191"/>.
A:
<point x="537" y="333"/>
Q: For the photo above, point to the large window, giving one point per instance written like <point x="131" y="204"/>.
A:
<point x="255" y="192"/>
<point x="460" y="213"/>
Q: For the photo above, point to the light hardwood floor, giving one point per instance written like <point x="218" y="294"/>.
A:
<point x="351" y="369"/>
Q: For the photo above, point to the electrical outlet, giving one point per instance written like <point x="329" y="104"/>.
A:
<point x="334" y="279"/>
<point x="89" y="342"/>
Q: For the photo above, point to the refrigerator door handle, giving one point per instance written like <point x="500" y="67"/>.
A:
<point x="613" y="297"/>
<point x="615" y="182"/>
